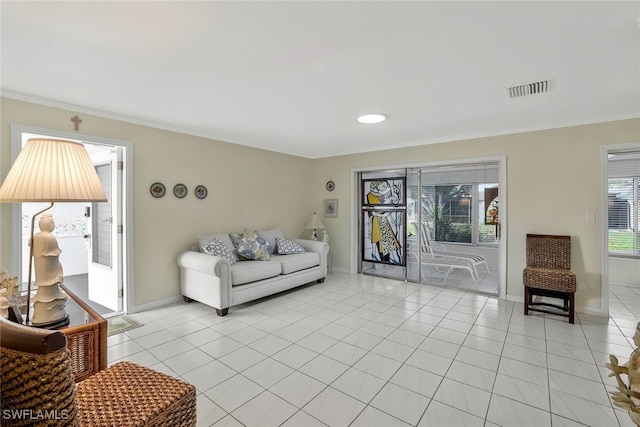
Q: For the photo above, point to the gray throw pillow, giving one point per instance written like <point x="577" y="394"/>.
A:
<point x="287" y="247"/>
<point x="217" y="248"/>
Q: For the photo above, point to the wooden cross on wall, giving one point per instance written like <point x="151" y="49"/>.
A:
<point x="76" y="122"/>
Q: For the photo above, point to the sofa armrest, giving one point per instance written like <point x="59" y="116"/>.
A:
<point x="203" y="263"/>
<point x="313" y="246"/>
<point x="205" y="278"/>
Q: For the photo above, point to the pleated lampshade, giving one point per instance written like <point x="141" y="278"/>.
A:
<point x="314" y="222"/>
<point x="52" y="170"/>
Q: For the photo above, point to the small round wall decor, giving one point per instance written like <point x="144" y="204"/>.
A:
<point x="201" y="191"/>
<point x="180" y="190"/>
<point x="157" y="190"/>
<point x="330" y="186"/>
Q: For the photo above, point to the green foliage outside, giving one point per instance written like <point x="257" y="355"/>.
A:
<point x="621" y="241"/>
<point x="458" y="233"/>
<point x="439" y="216"/>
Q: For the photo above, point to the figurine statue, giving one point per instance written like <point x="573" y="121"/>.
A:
<point x="628" y="397"/>
<point x="4" y="304"/>
<point x="50" y="300"/>
<point x="325" y="236"/>
<point x="8" y="283"/>
<point x="11" y="285"/>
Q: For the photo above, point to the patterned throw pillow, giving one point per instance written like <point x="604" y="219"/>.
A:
<point x="217" y="248"/>
<point x="235" y="239"/>
<point x="287" y="247"/>
<point x="253" y="247"/>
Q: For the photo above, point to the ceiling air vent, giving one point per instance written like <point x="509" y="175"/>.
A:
<point x="529" y="89"/>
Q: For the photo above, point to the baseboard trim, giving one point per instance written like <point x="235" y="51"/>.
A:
<point x="156" y="304"/>
<point x="592" y="311"/>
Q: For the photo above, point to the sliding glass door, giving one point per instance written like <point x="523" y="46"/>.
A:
<point x="441" y="225"/>
<point x="383" y="219"/>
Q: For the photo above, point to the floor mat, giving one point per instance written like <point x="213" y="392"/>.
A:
<point x="121" y="323"/>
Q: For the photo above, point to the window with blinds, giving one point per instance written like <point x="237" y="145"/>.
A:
<point x="460" y="203"/>
<point x="623" y="203"/>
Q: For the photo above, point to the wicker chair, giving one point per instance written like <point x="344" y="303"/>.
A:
<point x="38" y="387"/>
<point x="548" y="274"/>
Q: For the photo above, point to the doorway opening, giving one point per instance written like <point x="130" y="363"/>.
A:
<point x="91" y="235"/>
<point x="621" y="230"/>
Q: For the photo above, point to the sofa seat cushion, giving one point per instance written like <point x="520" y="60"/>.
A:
<point x="252" y="271"/>
<point x="296" y="262"/>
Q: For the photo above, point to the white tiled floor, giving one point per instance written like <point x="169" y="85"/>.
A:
<point x="367" y="351"/>
<point x="486" y="282"/>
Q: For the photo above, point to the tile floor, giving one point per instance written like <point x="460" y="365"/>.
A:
<point x="366" y="351"/>
<point x="487" y="281"/>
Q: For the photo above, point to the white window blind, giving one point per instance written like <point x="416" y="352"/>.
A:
<point x="622" y="165"/>
<point x="623" y="203"/>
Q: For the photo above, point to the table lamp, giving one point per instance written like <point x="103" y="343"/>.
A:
<point x="50" y="170"/>
<point x="314" y="223"/>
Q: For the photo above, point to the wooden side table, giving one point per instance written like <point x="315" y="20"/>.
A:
<point x="86" y="338"/>
<point x="86" y="333"/>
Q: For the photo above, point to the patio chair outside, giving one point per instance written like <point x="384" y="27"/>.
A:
<point x="428" y="248"/>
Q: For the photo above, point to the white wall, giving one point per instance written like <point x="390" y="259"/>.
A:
<point x="624" y="271"/>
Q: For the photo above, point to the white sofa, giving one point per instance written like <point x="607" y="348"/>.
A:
<point x="219" y="283"/>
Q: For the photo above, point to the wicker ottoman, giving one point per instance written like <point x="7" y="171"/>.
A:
<point x="127" y="394"/>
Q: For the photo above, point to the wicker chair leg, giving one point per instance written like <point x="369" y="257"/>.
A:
<point x="571" y="307"/>
<point x="527" y="300"/>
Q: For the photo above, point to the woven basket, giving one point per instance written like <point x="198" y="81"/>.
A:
<point x="127" y="394"/>
<point x="37" y="390"/>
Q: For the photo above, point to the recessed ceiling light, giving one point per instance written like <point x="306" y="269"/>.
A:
<point x="372" y="118"/>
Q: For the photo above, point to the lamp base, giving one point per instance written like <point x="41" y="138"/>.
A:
<point x="16" y="316"/>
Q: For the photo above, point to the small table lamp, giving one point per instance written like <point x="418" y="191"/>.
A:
<point x="50" y="170"/>
<point x="314" y="223"/>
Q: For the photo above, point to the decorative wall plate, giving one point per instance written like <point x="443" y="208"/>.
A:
<point x="157" y="189"/>
<point x="180" y="190"/>
<point x="330" y="186"/>
<point x="201" y="191"/>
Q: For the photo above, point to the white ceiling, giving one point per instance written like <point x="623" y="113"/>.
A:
<point x="292" y="76"/>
